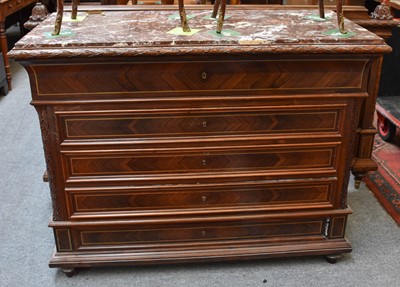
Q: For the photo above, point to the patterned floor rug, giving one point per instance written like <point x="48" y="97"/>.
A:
<point x="385" y="182"/>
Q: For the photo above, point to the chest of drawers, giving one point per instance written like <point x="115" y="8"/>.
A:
<point x="179" y="152"/>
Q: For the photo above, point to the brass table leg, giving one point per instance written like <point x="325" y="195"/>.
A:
<point x="60" y="11"/>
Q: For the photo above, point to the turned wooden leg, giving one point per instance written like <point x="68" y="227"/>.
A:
<point x="333" y="258"/>
<point x="70" y="271"/>
<point x="4" y="51"/>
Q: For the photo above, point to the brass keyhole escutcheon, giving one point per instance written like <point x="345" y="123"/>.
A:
<point x="204" y="198"/>
<point x="204" y="124"/>
<point x="203" y="233"/>
<point x="204" y="75"/>
<point x="204" y="162"/>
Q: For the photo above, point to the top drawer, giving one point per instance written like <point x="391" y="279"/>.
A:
<point x="110" y="79"/>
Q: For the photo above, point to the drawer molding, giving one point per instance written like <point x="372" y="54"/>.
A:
<point x="146" y="163"/>
<point x="184" y="125"/>
<point x="180" y="76"/>
<point x="193" y="234"/>
<point x="139" y="201"/>
<point x="210" y="218"/>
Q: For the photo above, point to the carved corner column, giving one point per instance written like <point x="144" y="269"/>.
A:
<point x="62" y="234"/>
<point x="54" y="174"/>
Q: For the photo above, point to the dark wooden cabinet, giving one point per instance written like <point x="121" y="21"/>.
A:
<point x="165" y="148"/>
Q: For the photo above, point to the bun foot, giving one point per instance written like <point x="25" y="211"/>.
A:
<point x="333" y="258"/>
<point x="69" y="271"/>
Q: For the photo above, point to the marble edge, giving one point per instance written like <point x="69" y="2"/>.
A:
<point x="90" y="52"/>
<point x="378" y="23"/>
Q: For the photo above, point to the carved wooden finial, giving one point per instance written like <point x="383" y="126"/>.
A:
<point x="382" y="12"/>
<point x="39" y="13"/>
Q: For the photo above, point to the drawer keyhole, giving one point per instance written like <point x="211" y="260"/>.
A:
<point x="203" y="233"/>
<point x="204" y="75"/>
<point x="204" y="198"/>
<point x="204" y="124"/>
<point x="204" y="162"/>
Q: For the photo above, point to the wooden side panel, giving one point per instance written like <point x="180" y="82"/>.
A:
<point x="63" y="240"/>
<point x="338" y="226"/>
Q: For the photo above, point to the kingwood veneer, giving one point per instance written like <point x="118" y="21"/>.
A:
<point x="164" y="148"/>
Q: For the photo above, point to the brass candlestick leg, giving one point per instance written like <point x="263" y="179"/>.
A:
<point x="57" y="24"/>
<point x="215" y="9"/>
<point x="221" y="17"/>
<point x="74" y="11"/>
<point x="341" y="24"/>
<point x="321" y="7"/>
<point x="182" y="15"/>
<point x="185" y="25"/>
<point x="340" y="16"/>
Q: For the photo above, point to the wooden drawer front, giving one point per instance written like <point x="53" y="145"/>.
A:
<point x="281" y="196"/>
<point x="223" y="231"/>
<point x="127" y="126"/>
<point x="128" y="163"/>
<point x="198" y="76"/>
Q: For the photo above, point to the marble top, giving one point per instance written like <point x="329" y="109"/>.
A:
<point x="129" y="33"/>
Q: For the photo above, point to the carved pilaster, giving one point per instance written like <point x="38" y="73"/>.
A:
<point x="50" y="155"/>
